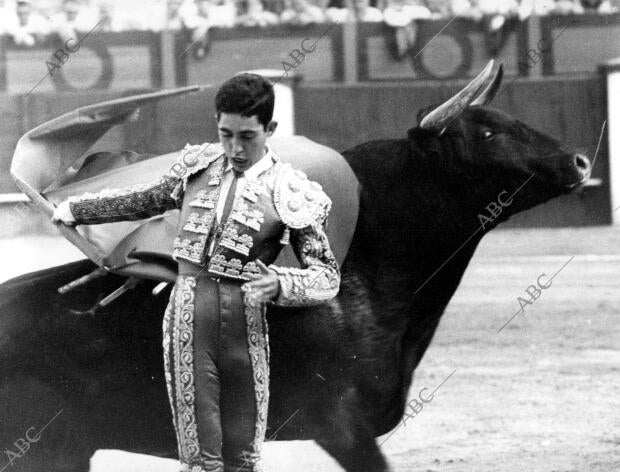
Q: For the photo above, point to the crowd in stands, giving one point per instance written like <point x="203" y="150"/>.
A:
<point x="26" y="21"/>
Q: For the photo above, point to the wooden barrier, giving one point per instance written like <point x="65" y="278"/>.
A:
<point x="444" y="49"/>
<point x="104" y="61"/>
<point x="316" y="50"/>
<point x="578" y="43"/>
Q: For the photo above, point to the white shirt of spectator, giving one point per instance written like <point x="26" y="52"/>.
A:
<point x="400" y="13"/>
<point x="85" y="20"/>
<point x="340" y="15"/>
<point x="36" y="24"/>
<point x="300" y="12"/>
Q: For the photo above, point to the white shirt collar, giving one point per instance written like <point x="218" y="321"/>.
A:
<point x="259" y="167"/>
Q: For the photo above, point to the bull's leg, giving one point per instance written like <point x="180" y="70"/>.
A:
<point x="41" y="429"/>
<point x="348" y="438"/>
<point x="361" y="454"/>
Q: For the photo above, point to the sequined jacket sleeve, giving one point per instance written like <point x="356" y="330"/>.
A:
<point x="318" y="279"/>
<point x="135" y="202"/>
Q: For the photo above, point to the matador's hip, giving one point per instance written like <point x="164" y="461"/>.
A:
<point x="216" y="360"/>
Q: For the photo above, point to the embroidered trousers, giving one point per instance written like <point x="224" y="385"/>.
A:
<point x="216" y="362"/>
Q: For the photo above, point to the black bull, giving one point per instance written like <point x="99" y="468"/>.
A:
<point x="340" y="372"/>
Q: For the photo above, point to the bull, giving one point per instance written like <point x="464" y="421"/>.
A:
<point x="340" y="372"/>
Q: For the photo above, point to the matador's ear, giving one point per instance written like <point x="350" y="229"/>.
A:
<point x="271" y="127"/>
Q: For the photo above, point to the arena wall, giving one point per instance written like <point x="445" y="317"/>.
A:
<point x="571" y="109"/>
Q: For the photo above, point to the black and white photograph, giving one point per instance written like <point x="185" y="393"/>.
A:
<point x="309" y="236"/>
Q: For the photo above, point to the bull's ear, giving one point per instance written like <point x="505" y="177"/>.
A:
<point x="445" y="113"/>
<point x="488" y="94"/>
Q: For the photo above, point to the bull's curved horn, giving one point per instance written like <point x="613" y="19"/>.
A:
<point x="488" y="94"/>
<point x="450" y="109"/>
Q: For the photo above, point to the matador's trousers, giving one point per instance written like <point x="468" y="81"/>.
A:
<point x="216" y="360"/>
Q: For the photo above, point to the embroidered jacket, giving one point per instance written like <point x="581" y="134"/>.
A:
<point x="281" y="204"/>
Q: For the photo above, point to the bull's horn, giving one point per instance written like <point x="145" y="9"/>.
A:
<point x="488" y="94"/>
<point x="439" y="118"/>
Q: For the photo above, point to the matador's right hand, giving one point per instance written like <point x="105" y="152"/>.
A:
<point x="62" y="214"/>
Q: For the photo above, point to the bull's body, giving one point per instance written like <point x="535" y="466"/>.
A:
<point x="340" y="372"/>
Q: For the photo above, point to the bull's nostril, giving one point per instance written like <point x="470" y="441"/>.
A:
<point x="582" y="162"/>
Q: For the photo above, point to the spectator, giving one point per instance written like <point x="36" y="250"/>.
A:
<point x="494" y="13"/>
<point x="123" y="15"/>
<point x="221" y="13"/>
<point x="24" y="24"/>
<point x="362" y="12"/>
<point x="274" y="6"/>
<point x="336" y="11"/>
<point x="564" y="7"/>
<point x="204" y="14"/>
<point x="365" y="13"/>
<point x="573" y="7"/>
<point x="605" y="7"/>
<point x="75" y="16"/>
<point x="157" y="20"/>
<point x="252" y="13"/>
<point x="6" y="11"/>
<point x="467" y="9"/>
<point x="401" y="15"/>
<point x="440" y="8"/>
<point x="497" y="12"/>
<point x="173" y="14"/>
<point x="199" y="16"/>
<point x="498" y="19"/>
<point x="301" y="12"/>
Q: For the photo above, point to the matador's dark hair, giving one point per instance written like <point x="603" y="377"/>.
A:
<point x="247" y="95"/>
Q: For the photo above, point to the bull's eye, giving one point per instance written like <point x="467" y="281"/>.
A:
<point x="487" y="134"/>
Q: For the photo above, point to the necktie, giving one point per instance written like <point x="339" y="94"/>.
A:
<point x="230" y="198"/>
<point x="217" y="227"/>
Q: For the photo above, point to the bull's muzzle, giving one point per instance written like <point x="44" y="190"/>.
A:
<point x="583" y="167"/>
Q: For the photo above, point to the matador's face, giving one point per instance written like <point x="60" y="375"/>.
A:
<point x="243" y="139"/>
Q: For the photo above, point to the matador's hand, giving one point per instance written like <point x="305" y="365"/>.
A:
<point x="264" y="287"/>
<point x="62" y="214"/>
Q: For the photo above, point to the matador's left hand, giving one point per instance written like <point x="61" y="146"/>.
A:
<point x="264" y="287"/>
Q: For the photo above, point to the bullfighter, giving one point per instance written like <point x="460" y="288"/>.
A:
<point x="239" y="206"/>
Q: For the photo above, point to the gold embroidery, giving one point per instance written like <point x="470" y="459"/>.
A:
<point x="299" y="201"/>
<point x="234" y="267"/>
<point x="258" y="348"/>
<point x="168" y="353"/>
<point x="134" y="202"/>
<point x="188" y="250"/>
<point x="199" y="224"/>
<point x="319" y="280"/>
<point x="238" y="243"/>
<point x="195" y="158"/>
<point x="250" y="268"/>
<point x="249" y="195"/>
<point x="218" y="265"/>
<point x="205" y="199"/>
<point x="180" y="357"/>
<point x="250" y="217"/>
<point x="186" y="246"/>
<point x="115" y="192"/>
<point x="214" y="177"/>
